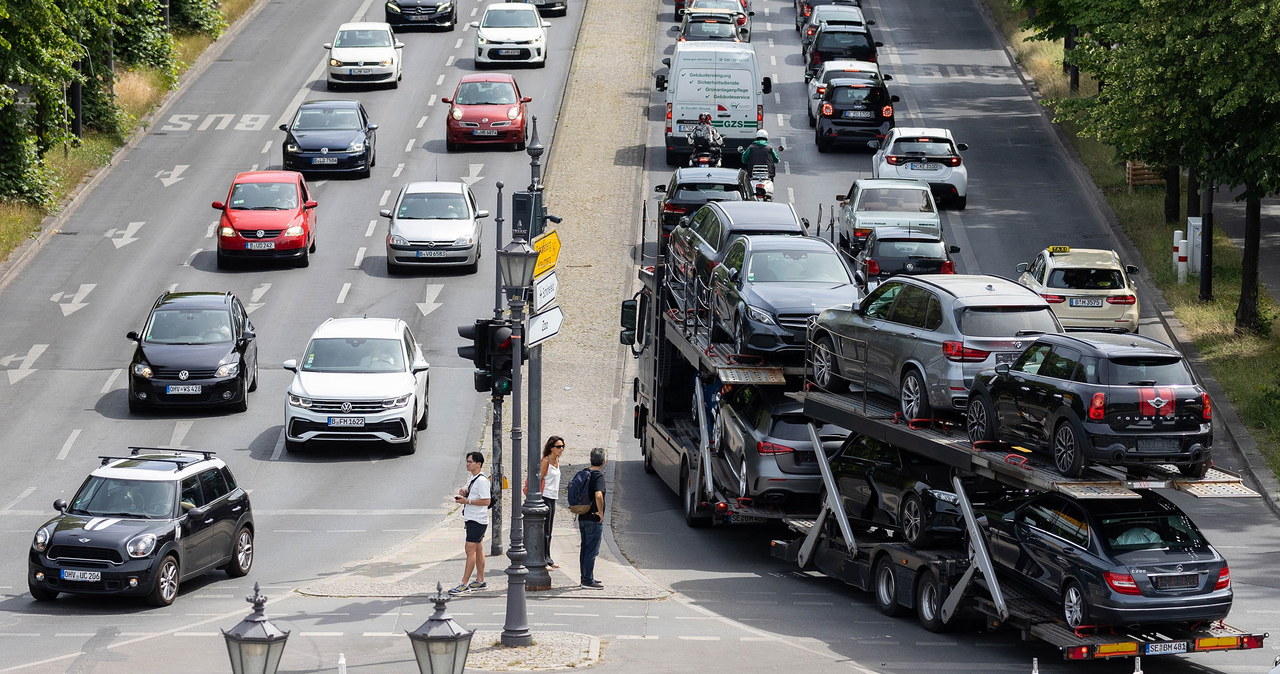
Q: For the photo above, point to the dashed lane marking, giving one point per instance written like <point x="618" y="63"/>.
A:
<point x="440" y="80"/>
<point x="386" y="194"/>
<point x="191" y="258"/>
<point x="422" y="121"/>
<point x="359" y="257"/>
<point x="409" y="146"/>
<point x="342" y="294"/>
<point x="267" y="148"/>
<point x="372" y="225"/>
<point x="66" y="446"/>
<point x="111" y="380"/>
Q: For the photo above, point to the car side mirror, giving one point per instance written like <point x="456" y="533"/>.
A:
<point x="856" y="306"/>
<point x="526" y="99"/>
<point x="399" y="44"/>
<point x="132" y="336"/>
<point x="218" y="205"/>
<point x="311" y="203"/>
<point x="886" y="77"/>
<point x="752" y="13"/>
<point x="766" y="85"/>
<point x="420" y="366"/>
<point x="962" y="146"/>
<point x="1022" y="267"/>
<point x="874" y="144"/>
<point x="60" y="505"/>
<point x="859" y="278"/>
<point x="328" y="45"/>
<point x="447" y="100"/>
<point x="674" y="28"/>
<point x="879" y="44"/>
<point x="1002" y="369"/>
<point x="384" y="213"/>
<point x="284" y="127"/>
<point x="684" y="222"/>
<point x="474" y="24"/>
<point x="372" y="127"/>
<point x="249" y="333"/>
<point x="871" y="23"/>
<point x="660" y="188"/>
<point x="666" y="62"/>
<point x="1130" y="269"/>
<point x="894" y="98"/>
<point x="192" y="511"/>
<point x="954" y="249"/>
<point x="839" y="197"/>
<point x="290" y="365"/>
<point x="482" y="214"/>
<point x="804" y="222"/>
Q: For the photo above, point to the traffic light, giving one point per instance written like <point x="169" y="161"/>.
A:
<point x="478" y="351"/>
<point x="499" y="357"/>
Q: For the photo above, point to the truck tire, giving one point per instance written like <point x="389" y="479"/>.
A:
<point x="884" y="587"/>
<point x="1068" y="454"/>
<point x="929" y="598"/>
<point x="689" y="498"/>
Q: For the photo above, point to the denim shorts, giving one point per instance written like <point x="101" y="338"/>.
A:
<point x="475" y="531"/>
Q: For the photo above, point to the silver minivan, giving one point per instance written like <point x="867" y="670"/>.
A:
<point x="922" y="339"/>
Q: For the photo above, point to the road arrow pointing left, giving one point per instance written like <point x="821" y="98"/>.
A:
<point x="77" y="301"/>
<point x="433" y="291"/>
<point x="128" y="233"/>
<point x="255" y="298"/>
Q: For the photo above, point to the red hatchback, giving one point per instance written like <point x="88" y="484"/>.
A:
<point x="486" y="109"/>
<point x="268" y="215"/>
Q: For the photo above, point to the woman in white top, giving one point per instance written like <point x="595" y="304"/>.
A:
<point x="550" y="472"/>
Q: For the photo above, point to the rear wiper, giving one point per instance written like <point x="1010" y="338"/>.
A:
<point x="1143" y="382"/>
<point x="1021" y="333"/>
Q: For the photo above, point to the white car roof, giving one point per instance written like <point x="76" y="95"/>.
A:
<point x="893" y="183"/>
<point x="923" y="131"/>
<point x="157" y="471"/>
<point x="359" y="328"/>
<point x="435" y="187"/>
<point x="364" y="25"/>
<point x="1094" y="258"/>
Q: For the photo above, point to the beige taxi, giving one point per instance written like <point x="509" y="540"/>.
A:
<point x="1088" y="288"/>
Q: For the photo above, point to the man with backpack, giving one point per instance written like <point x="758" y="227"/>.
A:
<point x="475" y="499"/>
<point x="586" y="500"/>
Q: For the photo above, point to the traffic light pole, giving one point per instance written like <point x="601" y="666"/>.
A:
<point x="515" y="629"/>
<point x="495" y="541"/>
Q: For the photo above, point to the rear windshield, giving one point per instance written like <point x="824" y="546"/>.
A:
<point x="909" y="249"/>
<point x="716" y="4"/>
<point x="855" y="95"/>
<point x="932" y="147"/>
<point x="1006" y="321"/>
<point x="848" y="74"/>
<point x="1086" y="279"/>
<point x="843" y="40"/>
<point x="791" y="427"/>
<point x="1155" y="531"/>
<point x="895" y="200"/>
<point x="708" y="192"/>
<point x="1149" y="371"/>
<point x="709" y="29"/>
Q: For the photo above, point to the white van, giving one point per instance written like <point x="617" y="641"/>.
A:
<point x="720" y="78"/>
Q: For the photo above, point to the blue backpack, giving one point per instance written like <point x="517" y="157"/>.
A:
<point x="579" y="496"/>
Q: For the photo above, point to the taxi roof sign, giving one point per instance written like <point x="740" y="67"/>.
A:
<point x="1059" y="249"/>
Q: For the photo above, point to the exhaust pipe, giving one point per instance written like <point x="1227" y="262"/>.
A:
<point x="1117" y="456"/>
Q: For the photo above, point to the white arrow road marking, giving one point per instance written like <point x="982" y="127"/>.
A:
<point x="180" y="431"/>
<point x="77" y="301"/>
<point x="66" y="446"/>
<point x="126" y="236"/>
<point x="342" y="294"/>
<point x="213" y="227"/>
<point x="174" y="175"/>
<point x="430" y="305"/>
<point x="111" y="380"/>
<point x="396" y="173"/>
<point x="12" y="504"/>
<point x="255" y="298"/>
<point x="473" y="174"/>
<point x="19" y="373"/>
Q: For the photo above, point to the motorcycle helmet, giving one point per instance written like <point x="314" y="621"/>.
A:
<point x="762" y="135"/>
<point x="704" y="117"/>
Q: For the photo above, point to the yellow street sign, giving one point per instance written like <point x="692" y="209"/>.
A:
<point x="548" y="247"/>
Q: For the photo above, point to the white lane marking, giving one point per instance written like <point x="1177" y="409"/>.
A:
<point x="782" y="120"/>
<point x="770" y="42"/>
<point x="379" y="634"/>
<point x="372" y="224"/>
<point x="391" y="512"/>
<point x="386" y="194"/>
<point x="955" y="225"/>
<point x="431" y="101"/>
<point x="766" y="13"/>
<point x="396" y="173"/>
<point x="408" y="147"/>
<point x="316" y="72"/>
<point x="15" y="501"/>
<point x="578" y="615"/>
<point x="180" y="430"/>
<point x="768" y="26"/>
<point x="465" y="27"/>
<point x="212" y="595"/>
<point x="458" y="44"/>
<point x="448" y="62"/>
<point x="20" y="635"/>
<point x="111" y="380"/>
<point x="791" y="195"/>
<point x="687" y="637"/>
<point x="786" y="167"/>
<point x="73" y="634"/>
<point x="422" y="121"/>
<point x="812" y="603"/>
<point x="356" y="265"/>
<point x="253" y="168"/>
<point x="440" y="80"/>
<point x="173" y="287"/>
<point x="430" y="304"/>
<point x="267" y="148"/>
<point x="777" y="98"/>
<point x="192" y="257"/>
<point x="213" y="227"/>
<point x="474" y="10"/>
<point x="773" y="60"/>
<point x="202" y="635"/>
<point x="774" y="78"/>
<point x="630" y="637"/>
<point x="696" y="617"/>
<point x="641" y="617"/>
<point x="346" y="287"/>
<point x="279" y="448"/>
<point x="67" y="445"/>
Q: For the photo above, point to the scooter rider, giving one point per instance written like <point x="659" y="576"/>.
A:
<point x="705" y="137"/>
<point x="760" y="153"/>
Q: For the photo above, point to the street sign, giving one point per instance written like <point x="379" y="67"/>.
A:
<point x="544" y="291"/>
<point x="543" y="326"/>
<point x="548" y="247"/>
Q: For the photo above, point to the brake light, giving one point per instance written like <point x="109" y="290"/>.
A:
<point x="948" y="267"/>
<point x="862" y="233"/>
<point x="1224" y="578"/>
<point x="769" y="448"/>
<point x="1053" y="299"/>
<point x="873" y="267"/>
<point x="759" y="116"/>
<point x="822" y="90"/>
<point x="668" y="118"/>
<point x="1098" y="407"/>
<point x="1077" y="653"/>
<point x="957" y="352"/>
<point x="886" y="111"/>
<point x="895" y="160"/>
<point x="1207" y="406"/>
<point x="672" y="208"/>
<point x="1122" y="299"/>
<point x="816" y="57"/>
<point x="811" y="31"/>
<point x="744" y="3"/>
<point x="742" y="20"/>
<point x="952" y="161"/>
<point x="827" y="109"/>
<point x="808" y="10"/>
<point x="680" y="39"/>
<point x="1122" y="583"/>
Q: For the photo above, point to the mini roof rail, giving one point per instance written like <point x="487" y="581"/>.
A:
<point x="182" y="458"/>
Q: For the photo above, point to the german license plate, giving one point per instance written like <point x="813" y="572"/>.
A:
<point x="260" y="245"/>
<point x="431" y="253"/>
<point x="1165" y="648"/>
<point x="420" y="17"/>
<point x="508" y="52"/>
<point x="324" y="160"/>
<point x="1004" y="358"/>
<point x="1085" y="302"/>
<point x="925" y="166"/>
<point x="749" y="519"/>
<point x="857" y="114"/>
<point x="82" y="576"/>
<point x="484" y="132"/>
<point x="349" y="422"/>
<point x="685" y="128"/>
<point x="1160" y="445"/>
<point x="187" y="389"/>
<point x="360" y="71"/>
<point x="1181" y="581"/>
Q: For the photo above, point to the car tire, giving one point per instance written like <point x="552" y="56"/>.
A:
<point x="450" y="146"/>
<point x="689" y="499"/>
<point x="40" y="593"/>
<point x="242" y="405"/>
<point x="164" y="587"/>
<point x="223" y="262"/>
<point x="312" y="249"/>
<point x="241" y="554"/>
<point x="330" y="86"/>
<point x="1195" y="470"/>
<point x="980" y="419"/>
<point x="392" y="270"/>
<point x="426" y="411"/>
<point x="1075" y="605"/>
<point x="824" y="367"/>
<point x="303" y="260"/>
<point x="930" y="593"/>
<point x="541" y="64"/>
<point x="253" y="384"/>
<point x="739" y="337"/>
<point x="1068" y="455"/>
<point x="410" y="447"/>
<point x="813" y="121"/>
<point x="911" y="519"/>
<point x="823" y="146"/>
<point x="137" y="406"/>
<point x="884" y="587"/>
<point x="672" y="158"/>
<point x="295" y="446"/>
<point x="960" y="202"/>
<point x="913" y="396"/>
<point x="368" y="170"/>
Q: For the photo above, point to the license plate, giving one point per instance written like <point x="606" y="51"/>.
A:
<point x="857" y="114"/>
<point x="260" y="245"/>
<point x="508" y="52"/>
<point x="1183" y="581"/>
<point x="360" y="71"/>
<point x="484" y="132"/>
<point x="182" y="390"/>
<point x="83" y="576"/>
<point x="1162" y="445"/>
<point x="925" y="166"/>
<point x="749" y="519"/>
<point x="1085" y="302"/>
<point x="346" y="421"/>
<point x="324" y="160"/>
<point x="1004" y="358"/>
<point x="431" y="253"/>
<point x="419" y="18"/>
<point x="1166" y="647"/>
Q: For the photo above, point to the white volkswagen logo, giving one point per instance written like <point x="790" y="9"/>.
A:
<point x="910" y="266"/>
<point x="183" y="375"/>
<point x="324" y="150"/>
<point x="346" y="408"/>
<point x="261" y="233"/>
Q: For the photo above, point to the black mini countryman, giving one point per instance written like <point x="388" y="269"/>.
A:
<point x="1118" y="400"/>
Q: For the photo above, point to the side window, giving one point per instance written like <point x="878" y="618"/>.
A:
<point x="1070" y="525"/>
<point x="1037" y="272"/>
<point x="191" y="492"/>
<point x="1039" y="515"/>
<point x="733" y="259"/>
<point x="410" y="356"/>
<point x="302" y="189"/>
<point x="214" y="486"/>
<point x="715" y="231"/>
<point x="880" y="301"/>
<point x="1061" y="363"/>
<point x="231" y="481"/>
<point x="910" y="308"/>
<point x="364" y="117"/>
<point x="237" y="316"/>
<point x="1032" y="359"/>
<point x="933" y="315"/>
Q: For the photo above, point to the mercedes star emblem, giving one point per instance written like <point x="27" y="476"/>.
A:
<point x="346" y="408"/>
<point x="83" y="540"/>
<point x="183" y="375"/>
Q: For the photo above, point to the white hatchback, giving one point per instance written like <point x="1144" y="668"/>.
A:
<point x="364" y="53"/>
<point x="359" y="380"/>
<point x="928" y="154"/>
<point x="511" y="32"/>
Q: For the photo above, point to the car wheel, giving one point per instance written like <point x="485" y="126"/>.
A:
<point x="312" y="249"/>
<point x="979" y="419"/>
<point x="929" y="598"/>
<point x="136" y="406"/>
<point x="825" y="367"/>
<point x="330" y="86"/>
<point x="541" y="64"/>
<point x="961" y="202"/>
<point x="521" y="145"/>
<point x="242" y="405"/>
<point x="914" y="396"/>
<point x="426" y="415"/>
<point x="253" y="385"/>
<point x="1195" y="470"/>
<point x="407" y="448"/>
<point x="392" y="270"/>
<point x="1075" y="607"/>
<point x="164" y="588"/>
<point x="885" y="587"/>
<point x="823" y="146"/>
<point x="41" y="593"/>
<point x="223" y="262"/>
<point x="303" y="260"/>
<point x="911" y="517"/>
<point x="242" y="555"/>
<point x="295" y="446"/>
<point x="1068" y="455"/>
<point x="739" y="337"/>
<point x="813" y="121"/>
<point x="450" y="146"/>
<point x="689" y="496"/>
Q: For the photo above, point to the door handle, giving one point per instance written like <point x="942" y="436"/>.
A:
<point x="237" y="509"/>
<point x="209" y="521"/>
<point x="1024" y="388"/>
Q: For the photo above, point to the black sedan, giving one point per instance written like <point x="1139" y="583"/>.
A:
<point x="692" y="187"/>
<point x="901" y="250"/>
<point x="1110" y="561"/>
<point x="330" y="136"/>
<point x="768" y="286"/>
<point x="197" y="349"/>
<point x="407" y="13"/>
<point x="1118" y="400"/>
<point x="882" y="485"/>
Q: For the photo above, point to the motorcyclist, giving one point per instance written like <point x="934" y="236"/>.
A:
<point x="759" y="152"/>
<point x="705" y="137"/>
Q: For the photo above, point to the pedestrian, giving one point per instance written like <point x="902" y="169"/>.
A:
<point x="550" y="473"/>
<point x="475" y="499"/>
<point x="591" y="523"/>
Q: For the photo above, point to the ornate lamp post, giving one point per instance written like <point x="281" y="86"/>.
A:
<point x="440" y="644"/>
<point x="255" y="645"/>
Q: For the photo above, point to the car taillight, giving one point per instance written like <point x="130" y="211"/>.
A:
<point x="742" y="20"/>
<point x="1098" y="407"/>
<point x="808" y="10"/>
<point x="948" y="267"/>
<point x="766" y="448"/>
<point x="822" y="90"/>
<point x="952" y="161"/>
<point x="680" y="39"/>
<point x="759" y="116"/>
<point x="1053" y="299"/>
<point x="816" y="57"/>
<point x="862" y="233"/>
<point x="811" y="31"/>
<point x="827" y="109"/>
<point x="873" y="267"/>
<point x="886" y="111"/>
<point x="895" y="160"/>
<point x="1207" y="406"/>
<point x="957" y="352"/>
<point x="668" y="118"/>
<point x="1121" y="583"/>
<point x="1224" y="578"/>
<point x="1122" y="299"/>
<point x="672" y="208"/>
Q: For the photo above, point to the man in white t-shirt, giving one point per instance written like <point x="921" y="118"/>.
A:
<point x="475" y="498"/>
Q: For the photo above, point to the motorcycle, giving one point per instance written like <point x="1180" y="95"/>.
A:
<point x="707" y="156"/>
<point x="761" y="183"/>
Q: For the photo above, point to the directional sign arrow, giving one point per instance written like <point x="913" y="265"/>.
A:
<point x="430" y="305"/>
<point x="543" y="326"/>
<point x="173" y="176"/>
<point x="77" y="301"/>
<point x="473" y="174"/>
<point x="126" y="237"/>
<point x="544" y="291"/>
<point x="18" y="374"/>
<point x="255" y="298"/>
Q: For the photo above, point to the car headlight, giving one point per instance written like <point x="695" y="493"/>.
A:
<point x="228" y="369"/>
<point x="513" y="112"/>
<point x="465" y="240"/>
<point x="444" y="6"/>
<point x="226" y="231"/>
<point x="456" y="113"/>
<point x="142" y="370"/>
<point x="356" y="146"/>
<point x="945" y="496"/>
<point x="397" y="240"/>
<point x="760" y="315"/>
<point x="295" y="230"/>
<point x="334" y="63"/>
<point x="396" y="403"/>
<point x="141" y="546"/>
<point x="299" y="401"/>
<point x="41" y="540"/>
<point x="393" y="8"/>
<point x="480" y="39"/>
<point x="292" y="147"/>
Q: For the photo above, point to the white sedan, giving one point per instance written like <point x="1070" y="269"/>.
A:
<point x="511" y="32"/>
<point x="364" y="53"/>
<point x="928" y="154"/>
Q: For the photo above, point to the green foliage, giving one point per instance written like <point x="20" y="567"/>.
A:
<point x="196" y="16"/>
<point x="23" y="176"/>
<point x="141" y="38"/>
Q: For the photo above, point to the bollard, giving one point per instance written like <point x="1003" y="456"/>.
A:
<point x="342" y="664"/>
<point x="1177" y="236"/>
<point x="1035" y="665"/>
<point x="1182" y="260"/>
<point x="1137" y="666"/>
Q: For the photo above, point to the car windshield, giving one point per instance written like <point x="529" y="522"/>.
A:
<point x="432" y="206"/>
<point x="104" y="496"/>
<point x="932" y="147"/>
<point x="188" y="326"/>
<point x="796" y="266"/>
<point x="842" y="40"/>
<point x="707" y="192"/>
<point x="327" y="119"/>
<point x="510" y="18"/>
<point x="485" y="93"/>
<point x="1006" y="321"/>
<point x="1086" y="279"/>
<point x="263" y="196"/>
<point x="711" y="29"/>
<point x="1150" y="531"/>
<point x="909" y="248"/>
<point x="1148" y="371"/>
<point x="895" y="200"/>
<point x="362" y="38"/>
<point x="337" y="354"/>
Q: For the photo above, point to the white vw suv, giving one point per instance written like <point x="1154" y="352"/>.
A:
<point x="511" y="32"/>
<point x="360" y="379"/>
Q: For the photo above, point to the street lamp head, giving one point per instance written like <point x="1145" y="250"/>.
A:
<point x="517" y="260"/>
<point x="534" y="148"/>
<point x="440" y="645"/>
<point x="255" y="645"/>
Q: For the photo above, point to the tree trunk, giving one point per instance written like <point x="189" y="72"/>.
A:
<point x="1193" y="193"/>
<point x="1247" y="318"/>
<point x="1172" y="193"/>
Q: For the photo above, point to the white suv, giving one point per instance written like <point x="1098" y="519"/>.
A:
<point x="928" y="154"/>
<point x="511" y="32"/>
<point x="360" y="379"/>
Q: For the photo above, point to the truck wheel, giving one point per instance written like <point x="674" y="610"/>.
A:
<point x="1068" y="454"/>
<point x="980" y="419"/>
<point x="929" y="593"/>
<point x="911" y="517"/>
<point x="914" y="396"/>
<point x="825" y="368"/>
<point x="1075" y="607"/>
<point x="689" y="497"/>
<point x="885" y="587"/>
